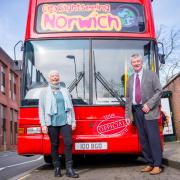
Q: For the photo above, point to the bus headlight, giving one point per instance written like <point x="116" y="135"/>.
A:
<point x="34" y="130"/>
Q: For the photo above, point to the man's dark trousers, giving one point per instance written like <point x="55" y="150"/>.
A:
<point x="149" y="137"/>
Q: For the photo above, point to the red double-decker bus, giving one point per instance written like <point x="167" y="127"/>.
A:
<point x="90" y="43"/>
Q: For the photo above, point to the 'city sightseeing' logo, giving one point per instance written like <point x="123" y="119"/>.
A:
<point x="113" y="125"/>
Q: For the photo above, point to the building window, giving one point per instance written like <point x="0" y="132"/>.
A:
<point x="3" y="119"/>
<point x="14" y="86"/>
<point x="11" y="126"/>
<point x="15" y="126"/>
<point x="3" y="69"/>
<point x="10" y="85"/>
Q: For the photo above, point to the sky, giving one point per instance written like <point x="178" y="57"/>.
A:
<point x="13" y="15"/>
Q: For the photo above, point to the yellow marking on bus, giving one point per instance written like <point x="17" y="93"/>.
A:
<point x="125" y="78"/>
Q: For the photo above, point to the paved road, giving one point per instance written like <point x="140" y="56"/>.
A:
<point x="11" y="164"/>
<point x="104" y="168"/>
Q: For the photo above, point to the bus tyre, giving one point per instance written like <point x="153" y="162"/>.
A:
<point x="48" y="159"/>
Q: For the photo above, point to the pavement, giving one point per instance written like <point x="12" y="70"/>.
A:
<point x="171" y="154"/>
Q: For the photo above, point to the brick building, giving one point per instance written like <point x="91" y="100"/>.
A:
<point x="174" y="86"/>
<point x="9" y="102"/>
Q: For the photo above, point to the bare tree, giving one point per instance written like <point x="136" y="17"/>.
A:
<point x="171" y="41"/>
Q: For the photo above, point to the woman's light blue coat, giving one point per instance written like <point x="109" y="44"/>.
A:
<point x="47" y="106"/>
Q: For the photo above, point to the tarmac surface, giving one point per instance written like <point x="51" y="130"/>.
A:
<point x="171" y="158"/>
<point x="117" y="169"/>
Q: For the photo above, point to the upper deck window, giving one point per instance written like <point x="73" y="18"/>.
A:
<point x="90" y="17"/>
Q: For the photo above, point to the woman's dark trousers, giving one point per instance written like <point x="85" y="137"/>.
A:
<point x="66" y="131"/>
<point x="54" y="133"/>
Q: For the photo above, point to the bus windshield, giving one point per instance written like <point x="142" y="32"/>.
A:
<point x="95" y="71"/>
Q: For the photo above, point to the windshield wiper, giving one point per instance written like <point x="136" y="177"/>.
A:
<point x="109" y="88"/>
<point x="76" y="81"/>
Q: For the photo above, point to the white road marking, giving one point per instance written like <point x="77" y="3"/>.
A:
<point x="4" y="155"/>
<point x="7" y="154"/>
<point x="24" y="177"/>
<point x="21" y="163"/>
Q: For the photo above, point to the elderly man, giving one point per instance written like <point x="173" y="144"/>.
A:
<point x="143" y="100"/>
<point x="57" y="115"/>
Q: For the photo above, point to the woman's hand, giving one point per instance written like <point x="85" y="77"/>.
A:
<point x="73" y="127"/>
<point x="44" y="129"/>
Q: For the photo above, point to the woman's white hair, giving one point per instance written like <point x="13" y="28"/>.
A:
<point x="53" y="72"/>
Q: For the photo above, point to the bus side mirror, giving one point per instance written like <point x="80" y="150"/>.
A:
<point x="17" y="65"/>
<point x="161" y="58"/>
<point x="161" y="54"/>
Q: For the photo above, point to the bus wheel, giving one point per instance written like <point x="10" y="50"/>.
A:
<point x="48" y="159"/>
<point x="133" y="157"/>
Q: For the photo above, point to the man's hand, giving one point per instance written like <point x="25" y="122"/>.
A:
<point x="128" y="121"/>
<point x="44" y="129"/>
<point x="146" y="108"/>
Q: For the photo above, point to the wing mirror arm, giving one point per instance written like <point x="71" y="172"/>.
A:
<point x="18" y="63"/>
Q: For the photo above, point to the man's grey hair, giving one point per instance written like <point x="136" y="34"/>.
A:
<point x="53" y="72"/>
<point x="136" y="55"/>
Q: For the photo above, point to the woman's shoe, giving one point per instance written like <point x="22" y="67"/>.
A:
<point x="57" y="172"/>
<point x="70" y="171"/>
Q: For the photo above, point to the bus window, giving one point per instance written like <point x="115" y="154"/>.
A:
<point x="69" y="57"/>
<point x="112" y="65"/>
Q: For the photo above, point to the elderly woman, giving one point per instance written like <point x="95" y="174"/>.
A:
<point x="57" y="115"/>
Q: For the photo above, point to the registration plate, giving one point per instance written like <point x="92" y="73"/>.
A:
<point x="91" y="146"/>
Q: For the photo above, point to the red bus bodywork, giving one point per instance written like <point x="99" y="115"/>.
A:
<point x="94" y="123"/>
<point x="85" y="117"/>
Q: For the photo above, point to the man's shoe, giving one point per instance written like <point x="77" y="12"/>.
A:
<point x="156" y="170"/>
<point x="147" y="169"/>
